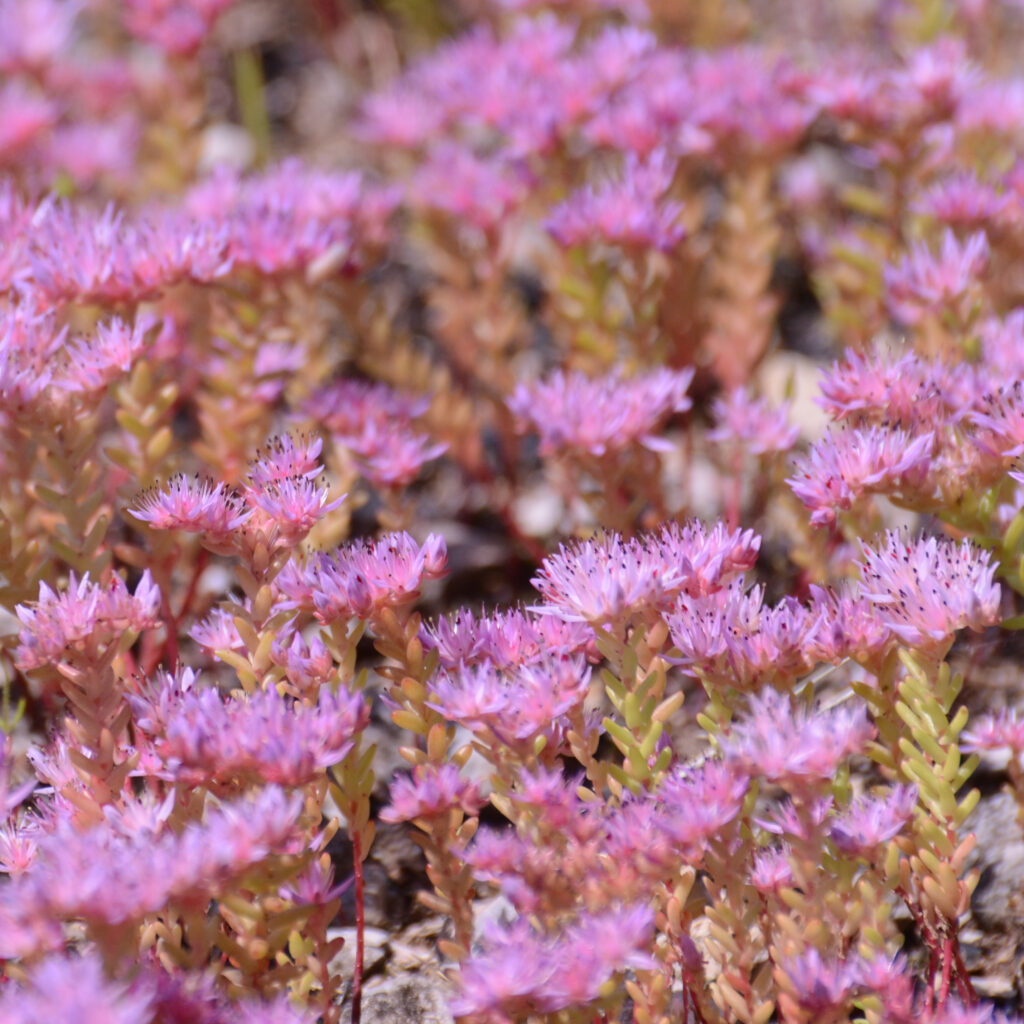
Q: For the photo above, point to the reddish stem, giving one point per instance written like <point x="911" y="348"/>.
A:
<point x="964" y="987"/>
<point x="171" y="629"/>
<point x="357" y="980"/>
<point x="947" y="967"/>
<point x="202" y="561"/>
<point x="932" y="969"/>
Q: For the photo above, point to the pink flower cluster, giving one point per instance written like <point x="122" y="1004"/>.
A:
<point x="363" y="578"/>
<point x="591" y="252"/>
<point x="279" y="502"/>
<point x="573" y="413"/>
<point x="84" y="619"/>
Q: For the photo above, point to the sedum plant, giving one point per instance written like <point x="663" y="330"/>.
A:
<point x="476" y="428"/>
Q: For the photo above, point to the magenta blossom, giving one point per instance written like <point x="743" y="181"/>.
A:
<point x="178" y="27"/>
<point x="902" y="390"/>
<point x="86" y="617"/>
<point x="849" y="463"/>
<point x="964" y="202"/>
<point x="596" y="416"/>
<point x="505" y="639"/>
<point x="431" y="791"/>
<point x="217" y="632"/>
<point x="307" y="665"/>
<point x="194" y="505"/>
<point x="785" y="743"/>
<point x="632" y="212"/>
<point x="924" y="282"/>
<point x="1001" y="731"/>
<point x="610" y="578"/>
<point x="730" y="637"/>
<point x="871" y="821"/>
<point x="202" y="738"/>
<point x="359" y="580"/>
<point x="522" y="971"/>
<point x="771" y="870"/>
<point x="515" y="706"/>
<point x="752" y="423"/>
<point x="100" y="876"/>
<point x="482" y="191"/>
<point x="1000" y="421"/>
<point x="63" y="987"/>
<point x="926" y="589"/>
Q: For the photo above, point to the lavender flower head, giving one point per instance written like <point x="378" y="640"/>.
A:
<point x="632" y="212"/>
<point x="608" y="579"/>
<point x="925" y="282"/>
<point x="597" y="416"/>
<point x="926" y="589"/>
<point x="85" y="617"/>
<point x="792" y="746"/>
<point x="744" y="419"/>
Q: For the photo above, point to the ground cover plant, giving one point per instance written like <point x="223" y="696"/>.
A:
<point x="610" y="411"/>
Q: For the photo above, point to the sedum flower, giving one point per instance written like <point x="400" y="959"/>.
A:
<point x="307" y="665"/>
<point x="18" y="844"/>
<point x="193" y="997"/>
<point x="178" y="27"/>
<point x="85" y="617"/>
<point x="291" y="507"/>
<point x="925" y="282"/>
<point x="744" y="419"/>
<point x="521" y="971"/>
<point x="553" y="799"/>
<point x="344" y="406"/>
<point x="359" y="580"/>
<point x="924" y="590"/>
<point x="102" y="877"/>
<point x="632" y="211"/>
<point x="202" y="738"/>
<point x="68" y="987"/>
<point x="573" y="412"/>
<point x="217" y="632"/>
<point x="482" y="191"/>
<point x="194" y="505"/>
<point x="815" y="987"/>
<point x="797" y="822"/>
<point x="964" y="202"/>
<point x="517" y="705"/>
<point x="391" y="455"/>
<point x="91" y="363"/>
<point x="730" y="637"/>
<point x="871" y="821"/>
<point x="1000" y="421"/>
<point x="38" y="35"/>
<point x="292" y="219"/>
<point x="30" y="344"/>
<point x="696" y="804"/>
<point x="504" y="638"/>
<point x="846" y="626"/>
<point x="25" y="118"/>
<point x="1003" y="730"/>
<point x="106" y="257"/>
<point x="286" y="457"/>
<point x="610" y="578"/>
<point x="785" y="743"/>
<point x="849" y="463"/>
<point x="902" y="390"/>
<point x="374" y="424"/>
<point x="431" y="791"/>
<point x="771" y="870"/>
